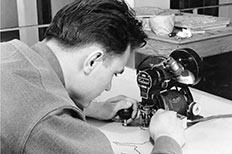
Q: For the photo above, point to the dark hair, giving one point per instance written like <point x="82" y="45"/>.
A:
<point x="110" y="23"/>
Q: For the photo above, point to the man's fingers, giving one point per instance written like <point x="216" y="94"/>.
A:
<point x="159" y="111"/>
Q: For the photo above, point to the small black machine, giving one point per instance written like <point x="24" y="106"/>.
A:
<point x="164" y="83"/>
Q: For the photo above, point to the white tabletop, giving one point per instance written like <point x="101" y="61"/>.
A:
<point x="210" y="137"/>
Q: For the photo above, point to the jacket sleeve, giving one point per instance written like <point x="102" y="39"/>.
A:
<point x="65" y="134"/>
<point x="166" y="145"/>
<point x="61" y="132"/>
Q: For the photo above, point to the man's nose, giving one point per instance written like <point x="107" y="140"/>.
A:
<point x="108" y="87"/>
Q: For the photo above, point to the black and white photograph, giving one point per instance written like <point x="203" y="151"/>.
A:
<point x="116" y="76"/>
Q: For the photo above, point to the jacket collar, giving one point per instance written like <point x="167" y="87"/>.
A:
<point x="44" y="51"/>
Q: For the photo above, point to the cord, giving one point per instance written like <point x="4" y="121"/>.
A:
<point x="209" y="118"/>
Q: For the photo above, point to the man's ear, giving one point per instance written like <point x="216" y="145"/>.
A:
<point x="92" y="60"/>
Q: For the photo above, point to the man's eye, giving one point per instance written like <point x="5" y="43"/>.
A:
<point x="115" y="74"/>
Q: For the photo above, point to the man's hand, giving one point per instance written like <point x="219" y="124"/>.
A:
<point x="166" y="123"/>
<point x="108" y="110"/>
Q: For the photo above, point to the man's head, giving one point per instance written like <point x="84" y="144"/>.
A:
<point x="95" y="37"/>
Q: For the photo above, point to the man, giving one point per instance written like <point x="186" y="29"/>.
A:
<point x="46" y="89"/>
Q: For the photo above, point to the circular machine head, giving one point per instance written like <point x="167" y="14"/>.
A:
<point x="149" y="61"/>
<point x="190" y="60"/>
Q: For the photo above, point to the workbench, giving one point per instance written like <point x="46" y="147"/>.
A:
<point x="209" y="137"/>
<point x="212" y="42"/>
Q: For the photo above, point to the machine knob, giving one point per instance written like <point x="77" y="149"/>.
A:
<point x="125" y="114"/>
<point x="194" y="108"/>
